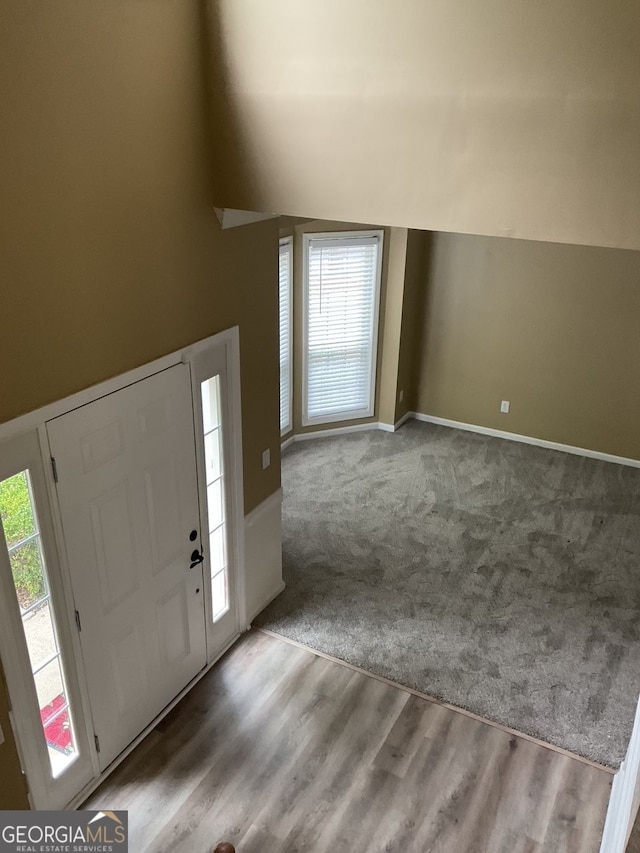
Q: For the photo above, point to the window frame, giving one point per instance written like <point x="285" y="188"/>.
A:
<point x="222" y="359"/>
<point x="223" y="524"/>
<point x="287" y="243"/>
<point x="358" y="414"/>
<point x="46" y="791"/>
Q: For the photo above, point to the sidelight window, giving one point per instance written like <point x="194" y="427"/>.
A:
<point x="23" y="542"/>
<point x="216" y="501"/>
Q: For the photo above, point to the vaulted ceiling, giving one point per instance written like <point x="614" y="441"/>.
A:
<point x="504" y="117"/>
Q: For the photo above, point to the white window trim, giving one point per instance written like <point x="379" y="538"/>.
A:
<point x="222" y="360"/>
<point x="340" y="235"/>
<point x="288" y="241"/>
<point x="24" y="452"/>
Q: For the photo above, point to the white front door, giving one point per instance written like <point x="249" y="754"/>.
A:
<point x="128" y="495"/>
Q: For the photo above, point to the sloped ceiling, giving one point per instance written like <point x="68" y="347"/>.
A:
<point x="505" y="117"/>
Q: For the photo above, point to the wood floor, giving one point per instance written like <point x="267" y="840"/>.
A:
<point x="279" y="750"/>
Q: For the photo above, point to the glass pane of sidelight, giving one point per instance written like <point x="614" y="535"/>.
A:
<point x="41" y="639"/>
<point x="215" y="474"/>
<point x="18" y="521"/>
<point x="213" y="455"/>
<point x="219" y="594"/>
<point x="28" y="572"/>
<point x="217" y="549"/>
<point x="215" y="504"/>
<point x="211" y="403"/>
<point x="50" y="689"/>
<point x="28" y="567"/>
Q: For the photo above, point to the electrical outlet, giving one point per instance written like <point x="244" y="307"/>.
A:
<point x="266" y="458"/>
<point x="504" y="407"/>
<point x="401" y="396"/>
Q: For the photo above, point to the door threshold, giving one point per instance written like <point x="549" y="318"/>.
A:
<point x="89" y="789"/>
<point x="456" y="708"/>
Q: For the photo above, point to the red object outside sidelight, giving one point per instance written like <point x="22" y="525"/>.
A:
<point x="57" y="725"/>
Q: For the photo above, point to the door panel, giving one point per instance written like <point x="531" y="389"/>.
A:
<point x="128" y="670"/>
<point x="172" y="614"/>
<point x="113" y="546"/>
<point x="128" y="497"/>
<point x="162" y="495"/>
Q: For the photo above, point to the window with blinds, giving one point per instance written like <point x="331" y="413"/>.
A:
<point x="341" y="301"/>
<point x="286" y="313"/>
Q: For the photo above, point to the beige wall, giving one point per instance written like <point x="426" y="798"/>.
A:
<point x="551" y="328"/>
<point x="13" y="791"/>
<point x="111" y="252"/>
<point x="507" y="117"/>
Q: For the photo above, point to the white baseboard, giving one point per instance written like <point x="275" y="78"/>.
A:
<point x="344" y="430"/>
<point x="395" y="427"/>
<point x="496" y="433"/>
<point x="263" y="554"/>
<point x="402" y="420"/>
<point x="623" y="800"/>
<point x="526" y="439"/>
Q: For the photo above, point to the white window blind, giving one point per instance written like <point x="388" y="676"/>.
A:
<point x="342" y="287"/>
<point x="285" y="287"/>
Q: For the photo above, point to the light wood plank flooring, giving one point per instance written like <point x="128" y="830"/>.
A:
<point x="279" y="750"/>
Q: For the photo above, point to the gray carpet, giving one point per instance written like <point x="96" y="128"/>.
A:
<point x="500" y="577"/>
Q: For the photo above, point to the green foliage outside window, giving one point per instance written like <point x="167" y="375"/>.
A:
<point x="18" y="524"/>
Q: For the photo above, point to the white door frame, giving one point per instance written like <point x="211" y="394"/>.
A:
<point x="205" y="365"/>
<point x="35" y="422"/>
<point x="23" y="452"/>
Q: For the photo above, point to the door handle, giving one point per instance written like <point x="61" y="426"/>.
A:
<point x="196" y="558"/>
